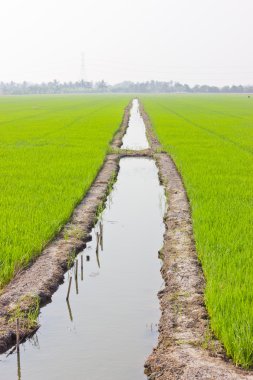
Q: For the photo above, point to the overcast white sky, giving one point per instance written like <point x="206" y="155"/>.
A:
<point x="191" y="41"/>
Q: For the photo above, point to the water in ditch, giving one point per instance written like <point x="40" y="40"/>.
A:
<point x="135" y="137"/>
<point x="110" y="324"/>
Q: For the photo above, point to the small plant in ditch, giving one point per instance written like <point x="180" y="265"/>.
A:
<point x="27" y="311"/>
<point x="71" y="259"/>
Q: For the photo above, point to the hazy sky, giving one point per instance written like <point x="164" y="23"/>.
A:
<point x="191" y="41"/>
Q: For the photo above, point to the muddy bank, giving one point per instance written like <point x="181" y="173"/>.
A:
<point x="152" y="139"/>
<point x="117" y="139"/>
<point x="186" y="348"/>
<point x="36" y="284"/>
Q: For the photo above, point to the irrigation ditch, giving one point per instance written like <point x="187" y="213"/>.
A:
<point x="186" y="348"/>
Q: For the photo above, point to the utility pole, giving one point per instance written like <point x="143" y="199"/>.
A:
<point x="83" y="70"/>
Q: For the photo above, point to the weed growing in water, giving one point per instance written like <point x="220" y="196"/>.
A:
<point x="27" y="311"/>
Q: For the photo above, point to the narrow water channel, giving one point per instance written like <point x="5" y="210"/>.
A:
<point x="135" y="138"/>
<point x="109" y="326"/>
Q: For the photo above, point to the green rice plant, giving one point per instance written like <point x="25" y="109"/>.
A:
<point x="51" y="148"/>
<point x="210" y="138"/>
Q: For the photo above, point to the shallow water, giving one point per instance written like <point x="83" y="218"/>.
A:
<point x="135" y="137"/>
<point x="110" y="326"/>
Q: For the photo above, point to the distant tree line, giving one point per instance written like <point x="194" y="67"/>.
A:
<point x="80" y="87"/>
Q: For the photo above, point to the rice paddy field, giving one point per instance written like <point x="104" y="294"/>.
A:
<point x="210" y="138"/>
<point x="51" y="148"/>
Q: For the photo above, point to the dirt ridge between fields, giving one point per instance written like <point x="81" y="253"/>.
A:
<point x="186" y="348"/>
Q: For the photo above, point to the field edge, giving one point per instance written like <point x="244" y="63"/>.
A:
<point x="186" y="346"/>
<point x="37" y="283"/>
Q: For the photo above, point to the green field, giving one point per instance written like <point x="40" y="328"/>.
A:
<point x="210" y="138"/>
<point x="51" y="148"/>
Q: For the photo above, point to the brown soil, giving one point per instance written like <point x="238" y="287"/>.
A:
<point x="186" y="348"/>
